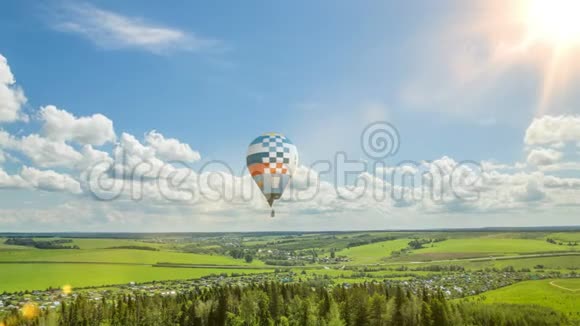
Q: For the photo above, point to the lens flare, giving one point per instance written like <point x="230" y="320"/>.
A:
<point x="67" y="289"/>
<point x="555" y="20"/>
<point x="30" y="310"/>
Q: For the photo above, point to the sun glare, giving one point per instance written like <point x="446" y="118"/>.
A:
<point x="555" y="20"/>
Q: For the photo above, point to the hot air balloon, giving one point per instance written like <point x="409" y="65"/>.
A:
<point x="271" y="160"/>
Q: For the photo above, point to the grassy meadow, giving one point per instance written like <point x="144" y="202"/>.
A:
<point x="373" y="253"/>
<point x="42" y="276"/>
<point x="541" y="293"/>
<point x="116" y="256"/>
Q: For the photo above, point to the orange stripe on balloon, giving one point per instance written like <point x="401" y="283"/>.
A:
<point x="257" y="168"/>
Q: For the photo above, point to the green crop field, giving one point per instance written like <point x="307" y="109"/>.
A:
<point x="117" y="256"/>
<point x="487" y="245"/>
<point x="451" y="249"/>
<point x="473" y="247"/>
<point x="565" y="236"/>
<point x="18" y="277"/>
<point x="563" y="263"/>
<point x="572" y="285"/>
<point x="5" y="247"/>
<point x="542" y="292"/>
<point x="373" y="253"/>
<point x="108" y="243"/>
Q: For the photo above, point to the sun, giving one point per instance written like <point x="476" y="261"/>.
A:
<point x="554" y="20"/>
<point x="551" y="35"/>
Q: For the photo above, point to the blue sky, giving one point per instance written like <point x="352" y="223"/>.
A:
<point x="209" y="77"/>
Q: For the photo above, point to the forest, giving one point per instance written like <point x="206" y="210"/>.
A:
<point x="275" y="303"/>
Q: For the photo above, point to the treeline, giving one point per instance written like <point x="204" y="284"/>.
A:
<point x="240" y="253"/>
<point x="362" y="242"/>
<point x="134" y="248"/>
<point x="299" y="304"/>
<point x="570" y="243"/>
<point x="44" y="244"/>
<point x="419" y="243"/>
<point x="414" y="245"/>
<point x="283" y="262"/>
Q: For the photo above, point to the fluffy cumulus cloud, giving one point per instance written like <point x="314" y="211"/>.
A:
<point x="171" y="149"/>
<point x="60" y="125"/>
<point x="553" y="130"/>
<point x="50" y="180"/>
<point x="11" y="97"/>
<point x="552" y="143"/>
<point x="65" y="154"/>
<point x="543" y="156"/>
<point x="41" y="151"/>
<point x="11" y="181"/>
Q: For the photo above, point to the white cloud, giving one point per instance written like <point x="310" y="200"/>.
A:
<point x="114" y="31"/>
<point x="48" y="153"/>
<point x="171" y="149"/>
<point x="11" y="181"/>
<point x="92" y="157"/>
<point x="50" y="180"/>
<point x="397" y="171"/>
<point x="44" y="152"/>
<point x="530" y="192"/>
<point x="6" y="140"/>
<point x="133" y="159"/>
<point x="61" y="125"/>
<point x="11" y="97"/>
<point x="564" y="183"/>
<point x="543" y="156"/>
<point x="553" y="130"/>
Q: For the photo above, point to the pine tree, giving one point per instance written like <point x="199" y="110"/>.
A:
<point x="398" y="318"/>
<point x="333" y="317"/>
<point x="378" y="310"/>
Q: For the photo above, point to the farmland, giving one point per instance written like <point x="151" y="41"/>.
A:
<point x="487" y="267"/>
<point x="128" y="256"/>
<point x="491" y="246"/>
<point x="373" y="253"/>
<point x="42" y="276"/>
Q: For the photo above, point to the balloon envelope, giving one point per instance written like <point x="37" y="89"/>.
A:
<point x="271" y="160"/>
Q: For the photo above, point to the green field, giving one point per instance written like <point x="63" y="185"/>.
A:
<point x="542" y="293"/>
<point x="373" y="253"/>
<point x="492" y="246"/>
<point x="565" y="236"/>
<point x="117" y="256"/>
<point x="561" y="263"/>
<point x="380" y="252"/>
<point x="18" y="270"/>
<point x="572" y="285"/>
<point x="108" y="243"/>
<point x="41" y="276"/>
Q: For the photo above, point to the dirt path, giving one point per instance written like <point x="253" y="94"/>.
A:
<point x="563" y="288"/>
